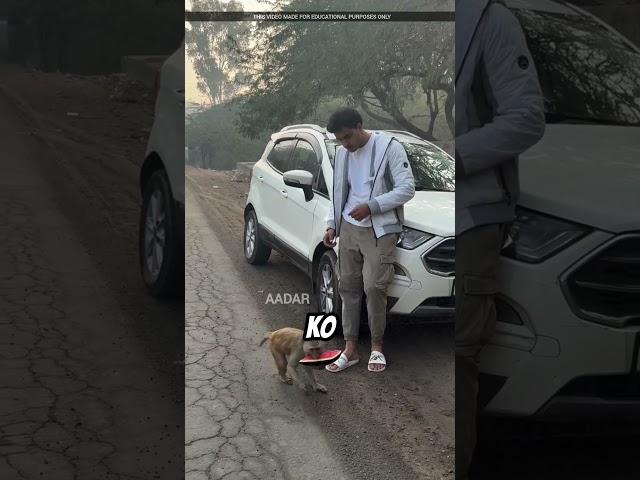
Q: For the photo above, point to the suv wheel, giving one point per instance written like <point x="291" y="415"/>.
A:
<point x="255" y="250"/>
<point x="158" y="245"/>
<point x="327" y="294"/>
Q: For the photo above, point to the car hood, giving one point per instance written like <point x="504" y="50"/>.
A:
<point x="589" y="174"/>
<point x="432" y="212"/>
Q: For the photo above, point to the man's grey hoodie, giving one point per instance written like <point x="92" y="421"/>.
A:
<point x="391" y="180"/>
<point x="499" y="111"/>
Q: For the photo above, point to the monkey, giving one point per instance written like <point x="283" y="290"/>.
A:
<point x="288" y="348"/>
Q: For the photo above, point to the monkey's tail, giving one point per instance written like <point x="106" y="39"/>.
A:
<point x="267" y="336"/>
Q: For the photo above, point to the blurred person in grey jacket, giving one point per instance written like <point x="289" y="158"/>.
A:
<point x="499" y="115"/>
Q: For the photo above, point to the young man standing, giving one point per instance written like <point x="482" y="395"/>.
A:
<point x="499" y="115"/>
<point x="372" y="180"/>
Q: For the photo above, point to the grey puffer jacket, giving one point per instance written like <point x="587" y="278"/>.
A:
<point x="499" y="111"/>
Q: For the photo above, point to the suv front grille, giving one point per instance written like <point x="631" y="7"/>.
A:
<point x="605" y="288"/>
<point x="441" y="259"/>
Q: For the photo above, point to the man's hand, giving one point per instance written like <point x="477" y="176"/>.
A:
<point x="329" y="238"/>
<point x="360" y="212"/>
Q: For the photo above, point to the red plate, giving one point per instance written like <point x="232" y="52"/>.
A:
<point x="326" y="358"/>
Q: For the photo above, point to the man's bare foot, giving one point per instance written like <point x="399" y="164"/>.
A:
<point x="351" y="354"/>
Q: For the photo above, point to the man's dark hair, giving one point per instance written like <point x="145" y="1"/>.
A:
<point x="343" y="118"/>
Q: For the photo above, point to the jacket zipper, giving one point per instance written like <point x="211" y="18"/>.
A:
<point x="395" y="210"/>
<point x="333" y="198"/>
<point x="373" y="186"/>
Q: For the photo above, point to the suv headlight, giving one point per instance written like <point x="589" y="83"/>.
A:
<point x="534" y="237"/>
<point x="411" y="238"/>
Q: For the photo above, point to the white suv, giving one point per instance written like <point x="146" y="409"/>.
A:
<point x="161" y="234"/>
<point x="568" y="331"/>
<point x="288" y="203"/>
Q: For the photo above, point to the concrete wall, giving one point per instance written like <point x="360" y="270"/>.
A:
<point x="22" y="44"/>
<point x="91" y="45"/>
<point x="4" y="38"/>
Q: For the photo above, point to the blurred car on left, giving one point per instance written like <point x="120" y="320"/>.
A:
<point x="161" y="231"/>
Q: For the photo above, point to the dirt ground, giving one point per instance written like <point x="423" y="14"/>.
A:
<point x="405" y="416"/>
<point x="87" y="136"/>
<point x="99" y="124"/>
<point x="97" y="129"/>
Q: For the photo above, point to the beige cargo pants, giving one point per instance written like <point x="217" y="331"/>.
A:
<point x="364" y="264"/>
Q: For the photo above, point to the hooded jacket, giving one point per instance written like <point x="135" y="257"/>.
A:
<point x="392" y="185"/>
<point x="499" y="111"/>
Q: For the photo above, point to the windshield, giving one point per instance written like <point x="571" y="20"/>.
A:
<point x="432" y="168"/>
<point x="587" y="72"/>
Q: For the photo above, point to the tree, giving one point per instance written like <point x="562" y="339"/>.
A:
<point x="214" y="126"/>
<point x="209" y="46"/>
<point x="383" y="68"/>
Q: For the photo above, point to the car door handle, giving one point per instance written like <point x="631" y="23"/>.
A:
<point x="284" y="193"/>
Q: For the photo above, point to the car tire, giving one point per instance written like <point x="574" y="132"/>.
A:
<point x="326" y="284"/>
<point x="256" y="251"/>
<point x="160" y="251"/>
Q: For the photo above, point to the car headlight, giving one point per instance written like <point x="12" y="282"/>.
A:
<point x="411" y="238"/>
<point x="534" y="237"/>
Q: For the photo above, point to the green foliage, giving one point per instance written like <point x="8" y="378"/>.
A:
<point x="207" y="44"/>
<point x="216" y="143"/>
<point x="384" y="69"/>
<point x="399" y="75"/>
<point x="216" y="139"/>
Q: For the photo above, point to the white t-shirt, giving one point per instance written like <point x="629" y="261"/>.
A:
<point x="359" y="181"/>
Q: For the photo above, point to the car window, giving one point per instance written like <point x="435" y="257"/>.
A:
<point x="280" y="154"/>
<point x="304" y="158"/>
<point x="587" y="72"/>
<point x="432" y="168"/>
<point x="322" y="184"/>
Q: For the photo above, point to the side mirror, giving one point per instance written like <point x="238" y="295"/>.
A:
<point x="300" y="179"/>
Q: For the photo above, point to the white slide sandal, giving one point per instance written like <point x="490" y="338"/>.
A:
<point x="377" y="358"/>
<point x="341" y="363"/>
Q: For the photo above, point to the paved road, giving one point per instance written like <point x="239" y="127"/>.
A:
<point x="393" y="426"/>
<point x="89" y="390"/>
<point x="239" y="422"/>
